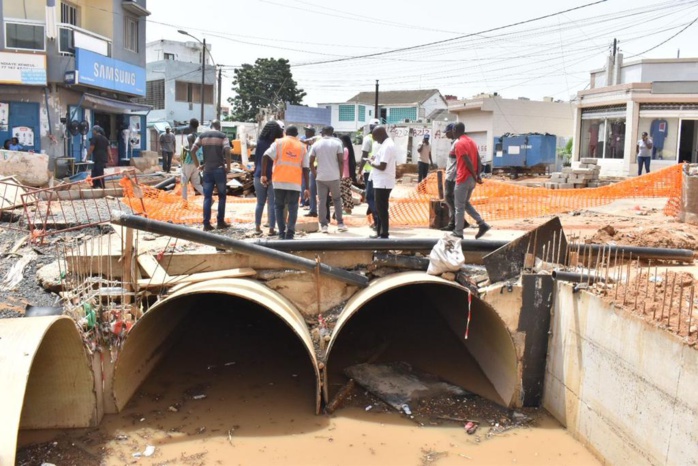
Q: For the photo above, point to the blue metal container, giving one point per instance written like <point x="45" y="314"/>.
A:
<point x="524" y="150"/>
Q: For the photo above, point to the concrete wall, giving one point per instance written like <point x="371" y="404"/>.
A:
<point x="184" y="51"/>
<point x="620" y="385"/>
<point x="173" y="71"/>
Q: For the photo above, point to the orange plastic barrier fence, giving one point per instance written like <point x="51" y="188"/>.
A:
<point x="495" y="200"/>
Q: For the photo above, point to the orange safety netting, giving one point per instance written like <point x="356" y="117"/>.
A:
<point x="495" y="200"/>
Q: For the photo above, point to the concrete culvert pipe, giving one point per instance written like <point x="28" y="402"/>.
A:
<point x="225" y="335"/>
<point x="421" y="320"/>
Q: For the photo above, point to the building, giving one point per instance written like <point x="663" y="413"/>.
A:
<point x="489" y="116"/>
<point x="657" y="96"/>
<point x="301" y="116"/>
<point x="63" y="62"/>
<point x="393" y="107"/>
<point x="173" y="82"/>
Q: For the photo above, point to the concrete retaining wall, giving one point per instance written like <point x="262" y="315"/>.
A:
<point x="623" y="387"/>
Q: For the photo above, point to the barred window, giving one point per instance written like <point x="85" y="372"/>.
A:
<point x="347" y="113"/>
<point x="154" y="94"/>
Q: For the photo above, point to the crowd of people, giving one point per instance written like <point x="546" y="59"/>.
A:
<point x="317" y="173"/>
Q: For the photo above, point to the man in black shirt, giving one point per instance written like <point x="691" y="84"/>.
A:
<point x="99" y="151"/>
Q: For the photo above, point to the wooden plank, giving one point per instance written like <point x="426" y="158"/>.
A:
<point x="152" y="269"/>
<point x="197" y="277"/>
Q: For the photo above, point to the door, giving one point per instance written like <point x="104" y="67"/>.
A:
<point x="687" y="141"/>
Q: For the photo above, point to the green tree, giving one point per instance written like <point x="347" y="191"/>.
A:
<point x="268" y="82"/>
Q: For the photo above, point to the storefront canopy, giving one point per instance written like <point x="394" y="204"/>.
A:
<point x="106" y="104"/>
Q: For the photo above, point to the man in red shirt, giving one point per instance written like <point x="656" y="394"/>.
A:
<point x="467" y="175"/>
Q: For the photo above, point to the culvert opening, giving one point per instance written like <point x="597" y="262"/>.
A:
<point x="423" y="324"/>
<point x="229" y="361"/>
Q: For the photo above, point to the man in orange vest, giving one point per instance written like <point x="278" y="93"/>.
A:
<point x="291" y="166"/>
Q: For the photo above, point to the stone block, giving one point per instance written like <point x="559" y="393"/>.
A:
<point x="589" y="160"/>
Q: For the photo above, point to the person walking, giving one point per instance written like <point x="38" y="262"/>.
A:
<point x="291" y="164"/>
<point x="450" y="182"/>
<point x="383" y="177"/>
<point x="99" y="152"/>
<point x="216" y="154"/>
<point x="328" y="154"/>
<point x="348" y="174"/>
<point x="167" y="147"/>
<point x="424" y="151"/>
<point x="467" y="176"/>
<point x="644" y="153"/>
<point x="190" y="171"/>
<point x="308" y="138"/>
<point x="265" y="192"/>
<point x="369" y="147"/>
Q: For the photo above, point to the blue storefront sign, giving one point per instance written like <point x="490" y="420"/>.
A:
<point x="108" y="73"/>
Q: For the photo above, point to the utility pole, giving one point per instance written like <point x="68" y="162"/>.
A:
<point x="203" y="78"/>
<point x="220" y="92"/>
<point x="375" y="106"/>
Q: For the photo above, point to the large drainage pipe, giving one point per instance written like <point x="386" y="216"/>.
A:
<point x="221" y="242"/>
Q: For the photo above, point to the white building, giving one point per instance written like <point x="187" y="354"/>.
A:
<point x="393" y="107"/>
<point x="489" y="116"/>
<point x="657" y="96"/>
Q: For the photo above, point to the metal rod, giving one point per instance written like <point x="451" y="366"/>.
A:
<point x="638" y="275"/>
<point x="678" y="323"/>
<point x="666" y="288"/>
<point x="671" y="300"/>
<point x="221" y="242"/>
<point x="690" y="311"/>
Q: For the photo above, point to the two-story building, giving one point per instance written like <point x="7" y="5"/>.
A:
<point x="393" y="107"/>
<point x="72" y="61"/>
<point x="625" y="99"/>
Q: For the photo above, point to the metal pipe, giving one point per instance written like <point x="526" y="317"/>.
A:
<point x="242" y="247"/>
<point x="577" y="277"/>
<point x="165" y="183"/>
<point x="367" y="244"/>
<point x="683" y="255"/>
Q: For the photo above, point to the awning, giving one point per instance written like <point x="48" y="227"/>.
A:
<point x="134" y="8"/>
<point x="112" y="105"/>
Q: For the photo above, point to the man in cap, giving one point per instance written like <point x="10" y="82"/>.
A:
<point x="99" y="152"/>
<point x="326" y="164"/>
<point x="450" y="182"/>
<point x="167" y="147"/>
<point x="467" y="176"/>
<point x="369" y="147"/>
<point x="290" y="159"/>
<point x="424" y="151"/>
<point x="383" y="177"/>
<point x="216" y="154"/>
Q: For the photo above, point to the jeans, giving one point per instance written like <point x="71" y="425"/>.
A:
<point x="462" y="195"/>
<point x="313" y="194"/>
<point x="218" y="178"/>
<point x="334" y="188"/>
<point x="286" y="199"/>
<point x="423" y="170"/>
<point x="370" y="196"/>
<point x="167" y="161"/>
<point x="190" y="173"/>
<point x="382" y="211"/>
<point x="449" y="189"/>
<point x="643" y="161"/>
<point x="97" y="171"/>
<point x="265" y="195"/>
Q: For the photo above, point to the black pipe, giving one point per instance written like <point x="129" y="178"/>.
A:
<point x="221" y="242"/>
<point x="684" y="255"/>
<point x="577" y="277"/>
<point x="367" y="244"/>
<point x="163" y="184"/>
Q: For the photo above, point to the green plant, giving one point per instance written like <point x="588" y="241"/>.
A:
<point x="566" y="152"/>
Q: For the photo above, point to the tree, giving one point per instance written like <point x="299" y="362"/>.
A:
<point x="269" y="82"/>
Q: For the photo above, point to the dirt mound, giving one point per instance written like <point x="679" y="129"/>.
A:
<point x="652" y="237"/>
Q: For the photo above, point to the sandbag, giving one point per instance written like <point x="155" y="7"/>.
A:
<point x="446" y="256"/>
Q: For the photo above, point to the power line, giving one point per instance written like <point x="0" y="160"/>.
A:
<point x="667" y="40"/>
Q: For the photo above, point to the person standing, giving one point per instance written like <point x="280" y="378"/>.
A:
<point x="369" y="147"/>
<point x="383" y="176"/>
<point x="348" y="174"/>
<point x="326" y="164"/>
<point x="265" y="192"/>
<point x="190" y="171"/>
<point x="450" y="182"/>
<point x="467" y="176"/>
<point x="167" y="147"/>
<point x="99" y="152"/>
<point x="308" y="138"/>
<point x="424" y="150"/>
<point x="216" y="154"/>
<point x="644" y="153"/>
<point x="290" y="159"/>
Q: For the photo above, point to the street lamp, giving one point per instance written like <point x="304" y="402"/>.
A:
<point x="203" y="68"/>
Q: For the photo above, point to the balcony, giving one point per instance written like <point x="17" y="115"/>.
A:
<point x="71" y="37"/>
<point x="135" y="7"/>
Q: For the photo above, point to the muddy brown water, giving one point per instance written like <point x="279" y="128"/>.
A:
<point x="259" y="402"/>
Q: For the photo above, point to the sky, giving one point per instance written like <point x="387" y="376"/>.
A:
<point x="531" y="49"/>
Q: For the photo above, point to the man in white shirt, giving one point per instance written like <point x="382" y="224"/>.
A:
<point x="328" y="152"/>
<point x="425" y="161"/>
<point x="369" y="148"/>
<point x="383" y="176"/>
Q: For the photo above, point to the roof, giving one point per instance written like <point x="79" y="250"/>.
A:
<point x="395" y="97"/>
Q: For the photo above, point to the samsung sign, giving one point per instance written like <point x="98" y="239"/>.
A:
<point x="107" y="73"/>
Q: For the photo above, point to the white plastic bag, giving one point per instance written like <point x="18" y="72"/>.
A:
<point x="446" y="256"/>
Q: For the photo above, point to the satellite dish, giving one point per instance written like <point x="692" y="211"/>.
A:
<point x="84" y="127"/>
<point x="74" y="127"/>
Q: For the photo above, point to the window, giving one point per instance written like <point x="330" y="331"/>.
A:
<point x="131" y="34"/>
<point x="24" y="36"/>
<point x="154" y="94"/>
<point x="399" y="115"/>
<point x="70" y="14"/>
<point x="362" y="113"/>
<point x="169" y="56"/>
<point x="603" y="138"/>
<point x="191" y="92"/>
<point x="65" y="41"/>
<point x="347" y="113"/>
